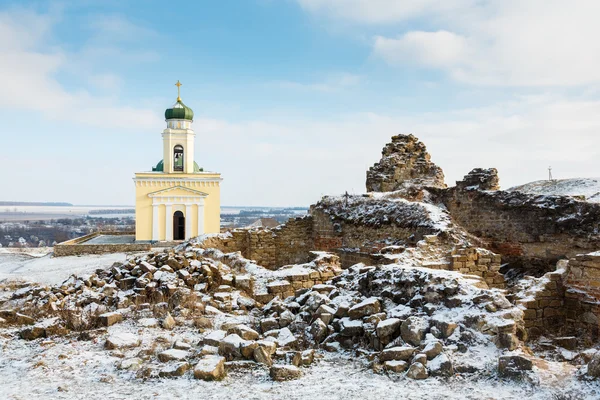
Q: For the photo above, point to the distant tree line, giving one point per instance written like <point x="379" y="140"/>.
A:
<point x="32" y="203"/>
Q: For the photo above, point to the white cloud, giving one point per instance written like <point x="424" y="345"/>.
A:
<point x="495" y="42"/>
<point x="431" y="49"/>
<point x="28" y="76"/>
<point x="380" y="11"/>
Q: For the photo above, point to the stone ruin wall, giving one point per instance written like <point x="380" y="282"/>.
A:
<point x="582" y="295"/>
<point x="527" y="229"/>
<point x="289" y="243"/>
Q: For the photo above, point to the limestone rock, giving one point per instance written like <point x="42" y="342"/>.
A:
<point x="388" y="327"/>
<point x="173" y="370"/>
<point x="441" y="366"/>
<point x="593" y="368"/>
<point x="168" y="322"/>
<point x="413" y="330"/>
<point x="513" y="365"/>
<point x="269" y="324"/>
<point x="432" y="349"/>
<point x="122" y="341"/>
<point x="261" y="356"/>
<point x="132" y="364"/>
<point x="110" y="318"/>
<point x="350" y="327"/>
<point x="482" y="179"/>
<point x="396" y="353"/>
<point x="230" y="347"/>
<point x="173" y="355"/>
<point x="282" y="372"/>
<point x="365" y="308"/>
<point x="445" y="328"/>
<point x="395" y="366"/>
<point x="244" y="332"/>
<point x="417" y="371"/>
<point x="210" y="368"/>
<point x="214" y="338"/>
<point x="318" y="330"/>
<point x="32" y="333"/>
<point x="286" y="338"/>
<point x="307" y="357"/>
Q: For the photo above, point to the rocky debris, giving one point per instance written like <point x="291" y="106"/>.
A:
<point x="514" y="366"/>
<point x="440" y="366"/>
<point x="413" y="330"/>
<point x="417" y="371"/>
<point x="397" y="317"/>
<point x="174" y="370"/>
<point x="481" y="179"/>
<point x="405" y="165"/>
<point x="282" y="372"/>
<point x="173" y="355"/>
<point x="364" y="308"/>
<point x="122" y="341"/>
<point x="593" y="367"/>
<point x="131" y="364"/>
<point x="395" y="366"/>
<point x="210" y="368"/>
<point x="110" y="318"/>
<point x="397" y="354"/>
<point x="168" y="322"/>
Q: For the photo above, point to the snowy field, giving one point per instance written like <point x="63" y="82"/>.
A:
<point x="70" y="369"/>
<point x="44" y="268"/>
<point x="588" y="187"/>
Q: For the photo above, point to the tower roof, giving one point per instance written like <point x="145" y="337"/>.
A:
<point x="179" y="110"/>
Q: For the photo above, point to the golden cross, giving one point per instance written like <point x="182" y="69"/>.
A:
<point x="178" y="84"/>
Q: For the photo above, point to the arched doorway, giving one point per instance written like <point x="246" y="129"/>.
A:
<point x="178" y="226"/>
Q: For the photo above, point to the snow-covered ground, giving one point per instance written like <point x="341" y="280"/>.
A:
<point x="70" y="369"/>
<point x="50" y="270"/>
<point x="588" y="187"/>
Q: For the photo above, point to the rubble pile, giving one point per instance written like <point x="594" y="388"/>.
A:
<point x="225" y="312"/>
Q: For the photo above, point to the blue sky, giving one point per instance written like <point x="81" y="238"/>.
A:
<point x="293" y="99"/>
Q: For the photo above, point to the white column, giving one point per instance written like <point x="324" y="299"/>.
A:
<point x="168" y="222"/>
<point x="201" y="217"/>
<point x="188" y="221"/>
<point x="155" y="222"/>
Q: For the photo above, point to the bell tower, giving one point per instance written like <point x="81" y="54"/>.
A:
<point x="177" y="200"/>
<point x="178" y="138"/>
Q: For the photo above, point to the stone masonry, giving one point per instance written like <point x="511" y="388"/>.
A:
<point x="405" y="164"/>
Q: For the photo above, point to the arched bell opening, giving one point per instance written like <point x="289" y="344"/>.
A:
<point x="178" y="226"/>
<point x="178" y="158"/>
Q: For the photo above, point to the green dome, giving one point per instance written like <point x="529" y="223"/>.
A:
<point x="160" y="167"/>
<point x="179" y="111"/>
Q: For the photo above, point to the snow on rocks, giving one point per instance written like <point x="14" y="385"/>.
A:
<point x="122" y="340"/>
<point x="282" y="372"/>
<point x="210" y="368"/>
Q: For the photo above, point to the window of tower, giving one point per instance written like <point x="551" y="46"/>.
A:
<point x="178" y="158"/>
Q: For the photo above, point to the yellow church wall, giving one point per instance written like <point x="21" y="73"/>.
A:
<point x="147" y="183"/>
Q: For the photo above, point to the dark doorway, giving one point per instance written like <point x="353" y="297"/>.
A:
<point x="178" y="226"/>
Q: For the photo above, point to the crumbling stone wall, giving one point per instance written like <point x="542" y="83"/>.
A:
<point x="532" y="230"/>
<point x="289" y="243"/>
<point x="405" y="163"/>
<point x="480" y="262"/>
<point x="544" y="305"/>
<point x="582" y="295"/>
